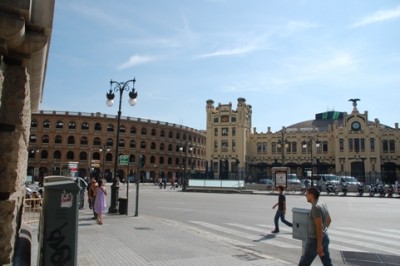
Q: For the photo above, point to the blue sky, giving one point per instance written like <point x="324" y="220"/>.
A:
<point x="288" y="59"/>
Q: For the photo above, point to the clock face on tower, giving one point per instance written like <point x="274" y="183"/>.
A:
<point x="356" y="126"/>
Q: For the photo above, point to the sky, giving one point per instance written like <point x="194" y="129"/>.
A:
<point x="289" y="59"/>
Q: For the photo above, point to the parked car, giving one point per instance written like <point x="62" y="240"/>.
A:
<point x="293" y="182"/>
<point x="268" y="182"/>
<point x="292" y="179"/>
<point x="352" y="183"/>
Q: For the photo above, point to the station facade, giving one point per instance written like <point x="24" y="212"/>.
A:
<point x="345" y="144"/>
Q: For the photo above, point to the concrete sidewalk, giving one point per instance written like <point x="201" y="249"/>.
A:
<point x="128" y="240"/>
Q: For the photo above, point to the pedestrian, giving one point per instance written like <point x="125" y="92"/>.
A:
<point x="164" y="180"/>
<point x="92" y="195"/>
<point x="100" y="203"/>
<point x="172" y="183"/>
<point x="280" y="212"/>
<point x="317" y="240"/>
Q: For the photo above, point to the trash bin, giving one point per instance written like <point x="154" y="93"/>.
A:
<point x="123" y="205"/>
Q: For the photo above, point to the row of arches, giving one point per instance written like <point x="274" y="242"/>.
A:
<point x="110" y="128"/>
<point x="151" y="161"/>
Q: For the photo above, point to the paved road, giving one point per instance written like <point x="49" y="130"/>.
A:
<point x="177" y="228"/>
<point x="359" y="224"/>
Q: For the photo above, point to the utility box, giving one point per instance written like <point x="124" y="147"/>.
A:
<point x="58" y="228"/>
<point x="300" y="223"/>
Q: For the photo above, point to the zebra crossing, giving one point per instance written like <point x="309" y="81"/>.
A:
<point x="386" y="241"/>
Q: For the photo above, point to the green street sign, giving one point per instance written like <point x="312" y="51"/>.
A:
<point x="124" y="160"/>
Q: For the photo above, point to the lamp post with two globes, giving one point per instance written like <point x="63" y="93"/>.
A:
<point x="119" y="87"/>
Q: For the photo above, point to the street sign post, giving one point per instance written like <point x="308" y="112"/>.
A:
<point x="124" y="160"/>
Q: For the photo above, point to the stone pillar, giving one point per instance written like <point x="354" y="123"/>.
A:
<point x="15" y="119"/>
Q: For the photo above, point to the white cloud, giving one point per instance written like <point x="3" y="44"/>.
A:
<point x="378" y="16"/>
<point x="136" y="60"/>
<point x="228" y="52"/>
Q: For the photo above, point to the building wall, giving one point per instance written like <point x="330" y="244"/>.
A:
<point x="94" y="145"/>
<point x="346" y="145"/>
<point x="227" y="133"/>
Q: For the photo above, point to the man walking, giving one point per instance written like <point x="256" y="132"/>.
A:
<point x="318" y="240"/>
<point x="280" y="213"/>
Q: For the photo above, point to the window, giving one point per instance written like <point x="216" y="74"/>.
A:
<point x="225" y="131"/>
<point x="273" y="146"/>
<point x="178" y="136"/>
<point x="122" y="129"/>
<point x="71" y="125"/>
<point x="153" y="146"/>
<point x="143" y="145"/>
<point x="215" y="146"/>
<point x="82" y="156"/>
<point x="169" y="147"/>
<point x="109" y="142"/>
<point x="71" y="140"/>
<point x="70" y="155"/>
<point x="224" y="118"/>
<point x="216" y="119"/>
<point x="216" y="132"/>
<point x="44" y="154"/>
<point x="32" y="138"/>
<point x="59" y="124"/>
<point x="224" y="145"/>
<point x="132" y="144"/>
<point x="57" y="155"/>
<point x="45" y="139"/>
<point x="233" y="145"/>
<point x="97" y="127"/>
<point x="264" y="147"/>
<point x="233" y="131"/>
<point x="85" y="126"/>
<point x="170" y="135"/>
<point x="154" y="132"/>
<point x="372" y="144"/>
<point x="34" y="123"/>
<point x="46" y="124"/>
<point x="84" y="141"/>
<point x="162" y="146"/>
<point x="110" y="128"/>
<point x="391" y="146"/>
<point x="58" y="139"/>
<point x="96" y="141"/>
<point x="233" y="118"/>
<point x="258" y="147"/>
<point x="350" y="144"/>
<point x="341" y="145"/>
<point x="121" y="143"/>
<point x="162" y="133"/>
<point x="325" y="146"/>
<point x="133" y="130"/>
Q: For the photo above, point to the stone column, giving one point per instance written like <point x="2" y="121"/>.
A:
<point x="15" y="119"/>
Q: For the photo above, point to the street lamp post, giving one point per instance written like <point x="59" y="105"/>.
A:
<point x="119" y="87"/>
<point x="104" y="150"/>
<point x="307" y="144"/>
<point x="184" y="178"/>
<point x="283" y="144"/>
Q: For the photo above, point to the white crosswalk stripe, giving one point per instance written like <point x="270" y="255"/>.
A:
<point x="341" y="238"/>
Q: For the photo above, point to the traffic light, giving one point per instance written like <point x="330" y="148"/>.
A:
<point x="142" y="161"/>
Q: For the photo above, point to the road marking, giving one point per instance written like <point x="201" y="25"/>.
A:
<point x="374" y="232"/>
<point x="290" y="237"/>
<point x="247" y="236"/>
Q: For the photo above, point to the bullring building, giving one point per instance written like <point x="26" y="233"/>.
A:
<point x="346" y="144"/>
<point x="89" y="139"/>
